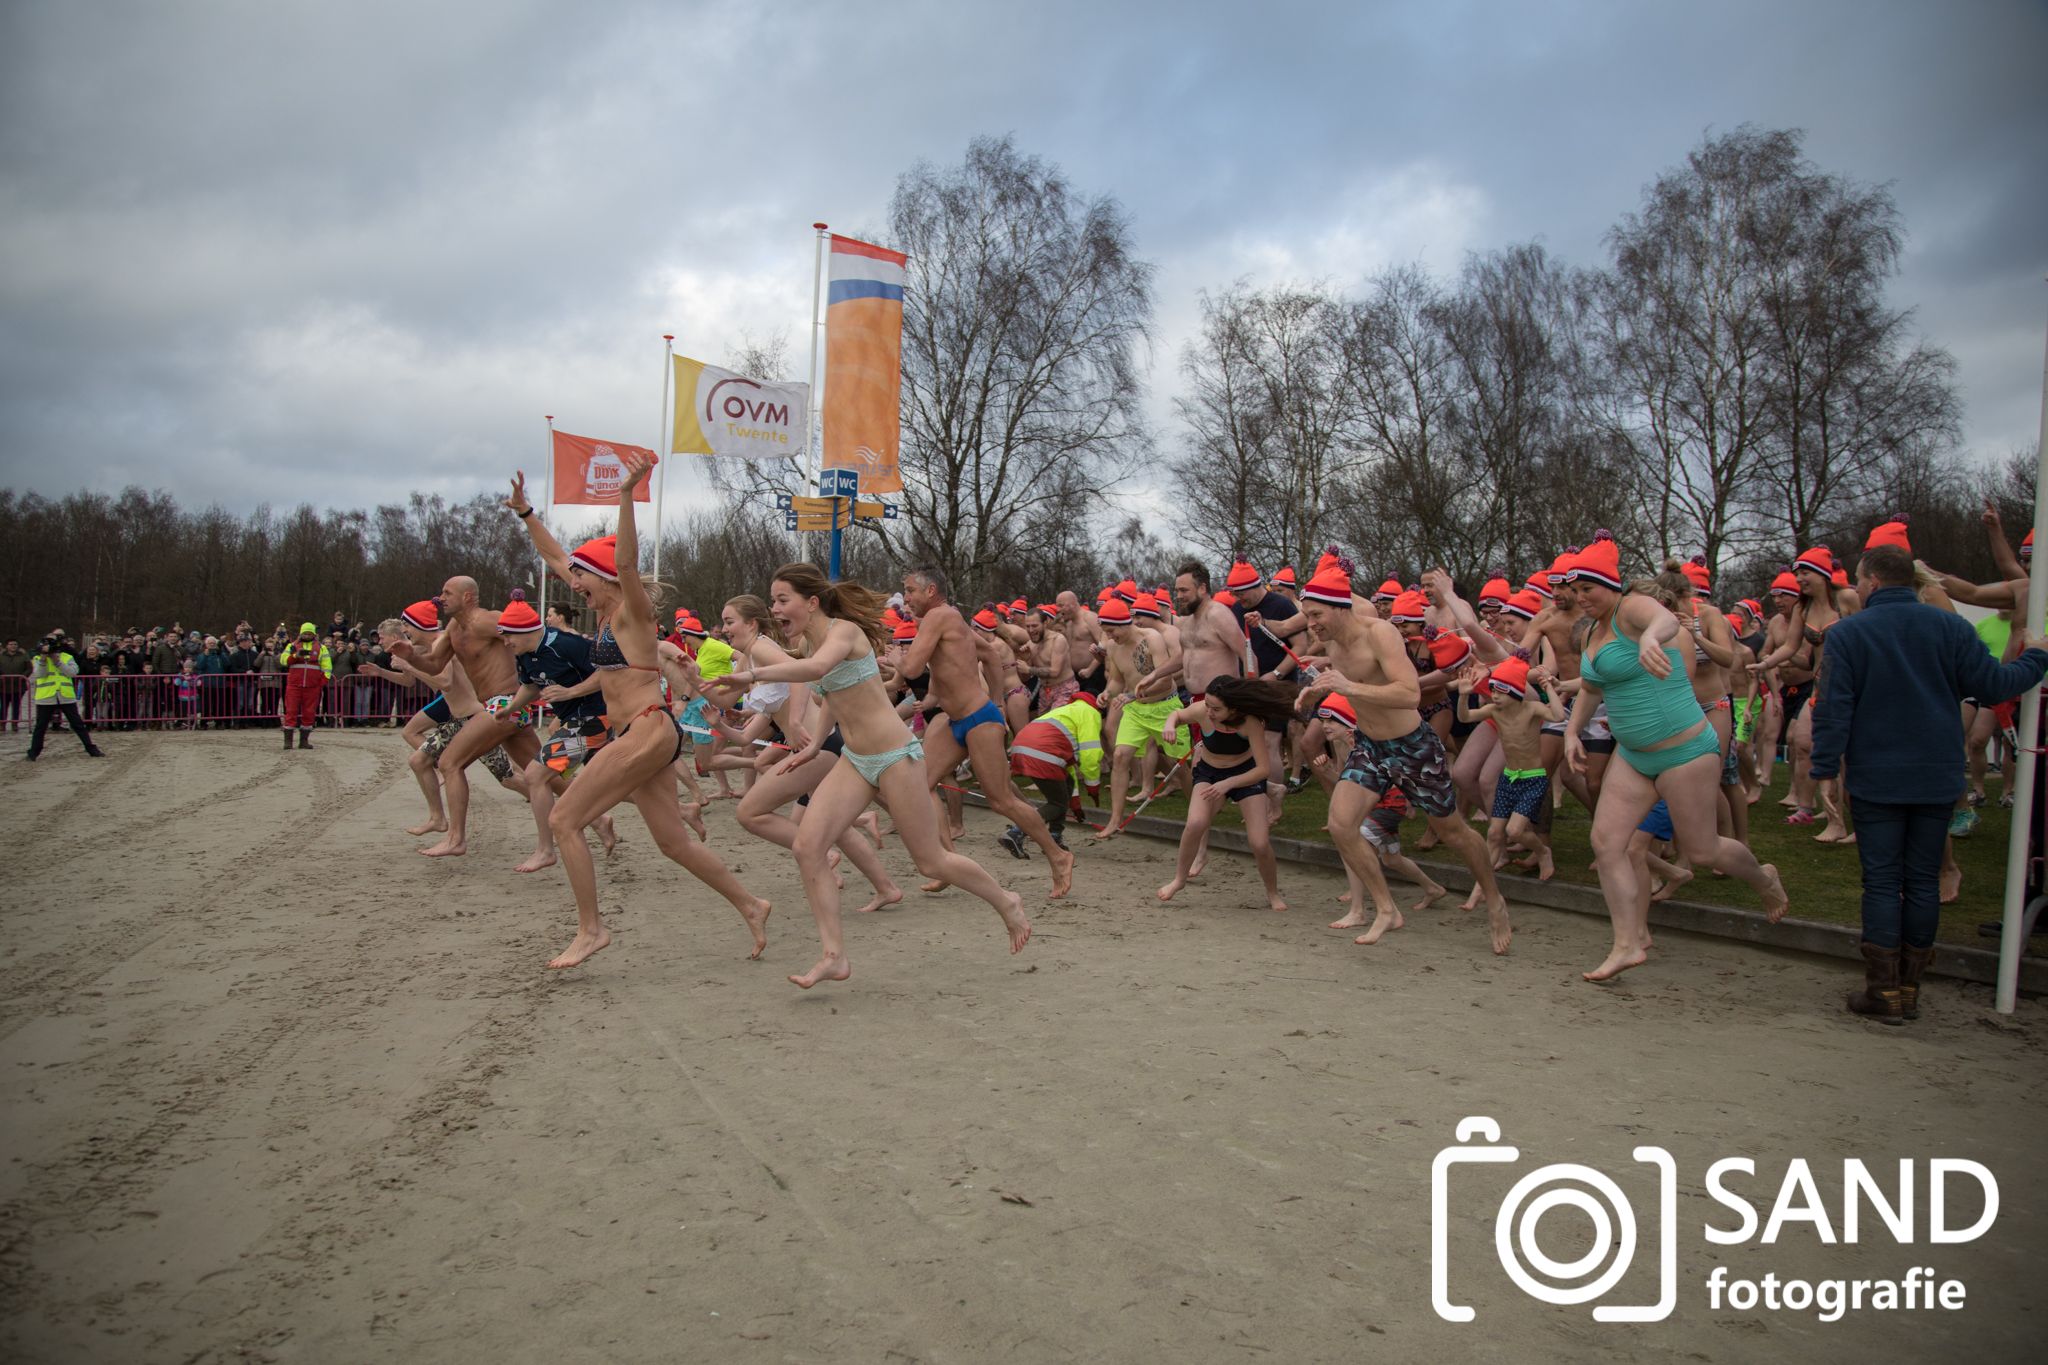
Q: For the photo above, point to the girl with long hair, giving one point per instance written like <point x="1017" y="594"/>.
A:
<point x="839" y="628"/>
<point x="1232" y="763"/>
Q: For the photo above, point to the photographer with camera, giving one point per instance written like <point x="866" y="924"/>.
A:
<point x="53" y="679"/>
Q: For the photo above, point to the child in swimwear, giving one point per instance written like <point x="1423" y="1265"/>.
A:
<point x="1522" y="703"/>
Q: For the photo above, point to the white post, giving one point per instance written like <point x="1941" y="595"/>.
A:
<point x="545" y="509"/>
<point x="664" y="442"/>
<point x="814" y="454"/>
<point x="2017" y="846"/>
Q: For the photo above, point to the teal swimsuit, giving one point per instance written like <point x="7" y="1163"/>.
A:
<point x="845" y="674"/>
<point x="1643" y="710"/>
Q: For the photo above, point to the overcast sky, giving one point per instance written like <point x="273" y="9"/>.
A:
<point x="281" y="252"/>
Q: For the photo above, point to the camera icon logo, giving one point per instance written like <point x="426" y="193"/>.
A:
<point x="1563" y="1185"/>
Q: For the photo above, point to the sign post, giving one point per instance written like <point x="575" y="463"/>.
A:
<point x="838" y="484"/>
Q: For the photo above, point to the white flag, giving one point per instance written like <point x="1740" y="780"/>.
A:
<point x="722" y="413"/>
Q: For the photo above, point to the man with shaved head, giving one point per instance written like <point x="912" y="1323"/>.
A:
<point x="470" y="636"/>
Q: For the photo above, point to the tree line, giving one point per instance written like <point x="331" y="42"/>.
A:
<point x="1730" y="381"/>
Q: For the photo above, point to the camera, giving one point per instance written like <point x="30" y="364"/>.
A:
<point x="1569" y="1185"/>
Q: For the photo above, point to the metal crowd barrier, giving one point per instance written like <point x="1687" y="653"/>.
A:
<point x="220" y="701"/>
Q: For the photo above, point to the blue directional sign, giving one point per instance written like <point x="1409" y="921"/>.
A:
<point x="888" y="511"/>
<point x="839" y="483"/>
<point x="782" y="502"/>
<point x="789" y="519"/>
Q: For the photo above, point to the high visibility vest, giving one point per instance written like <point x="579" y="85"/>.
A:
<point x="54" y="688"/>
<point x="1083" y="724"/>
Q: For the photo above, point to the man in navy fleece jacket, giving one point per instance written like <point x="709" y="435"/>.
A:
<point x="1892" y="680"/>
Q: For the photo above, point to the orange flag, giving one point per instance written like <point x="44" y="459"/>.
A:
<point x="590" y="471"/>
<point x="864" y="362"/>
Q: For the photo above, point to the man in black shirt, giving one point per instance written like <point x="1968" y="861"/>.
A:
<point x="554" y="667"/>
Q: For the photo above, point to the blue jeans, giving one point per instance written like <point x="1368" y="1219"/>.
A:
<point x="1900" y="845"/>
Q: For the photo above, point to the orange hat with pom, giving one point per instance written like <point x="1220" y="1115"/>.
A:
<point x="1892" y="533"/>
<point x="1695" y="569"/>
<point x="1560" y="568"/>
<point x="1336" y="706"/>
<point x="1449" y="650"/>
<point x="600" y="556"/>
<point x="1525" y="604"/>
<point x="1128" y="590"/>
<point x="1049" y="610"/>
<point x="1408" y="606"/>
<point x="1284" y="577"/>
<point x="1599" y="563"/>
<point x="1785" y="583"/>
<point x="422" y="615"/>
<point x="2027" y="546"/>
<point x="1147" y="605"/>
<point x="1820" y="559"/>
<point x="1510" y="675"/>
<point x="1496" y="590"/>
<point x="1115" y="612"/>
<point x="1388" y="590"/>
<point x="985" y="621"/>
<point x="1331" y="586"/>
<point x="1539" y="583"/>
<point x="1242" y="576"/>
<point x="905" y="632"/>
<point x="1227" y="598"/>
<point x="691" y="626"/>
<point x="519" y="617"/>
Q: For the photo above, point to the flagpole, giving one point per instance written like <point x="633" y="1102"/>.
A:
<point x="2019" y="839"/>
<point x="665" y="442"/>
<point x="814" y="455"/>
<point x="547" y="508"/>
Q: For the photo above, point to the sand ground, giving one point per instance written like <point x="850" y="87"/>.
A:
<point x="276" y="1089"/>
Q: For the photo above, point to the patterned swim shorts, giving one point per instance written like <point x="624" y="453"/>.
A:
<point x="1416" y="762"/>
<point x="1520" y="794"/>
<point x="438" y="739"/>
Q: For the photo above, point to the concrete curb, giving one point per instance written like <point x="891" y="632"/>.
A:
<point x="1693" y="917"/>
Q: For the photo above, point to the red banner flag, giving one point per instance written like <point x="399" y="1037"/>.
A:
<point x="590" y="471"/>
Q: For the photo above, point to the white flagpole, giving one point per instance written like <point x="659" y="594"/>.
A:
<point x="814" y="453"/>
<point x="665" y="443"/>
<point x="2025" y="794"/>
<point x="546" y="509"/>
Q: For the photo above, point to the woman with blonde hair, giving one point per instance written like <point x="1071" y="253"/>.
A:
<point x="838" y="629"/>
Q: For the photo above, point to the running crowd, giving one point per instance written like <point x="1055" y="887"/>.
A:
<point x="1641" y="699"/>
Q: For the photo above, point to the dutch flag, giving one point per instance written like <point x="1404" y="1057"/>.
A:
<point x="862" y="270"/>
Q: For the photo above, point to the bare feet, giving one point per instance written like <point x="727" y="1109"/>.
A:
<point x="450" y="847"/>
<point x="581" y="947"/>
<point x="1062" y="871"/>
<point x="693" y="816"/>
<point x="1431" y="894"/>
<point x="1108" y="831"/>
<point x="827" y="969"/>
<point x="934" y="886"/>
<point x="1201" y="862"/>
<point x="1275" y="904"/>
<point x="1618" y="961"/>
<point x="608" y="833"/>
<point x="1382" y="925"/>
<point x="1498" y="924"/>
<point x="757" y="925"/>
<point x="1012" y="911"/>
<point x="1776" y="902"/>
<point x="1353" y="920"/>
<point x="1951" y="884"/>
<point x="1669" y="885"/>
<point x="871" y="824"/>
<point x="1546" y="867"/>
<point x="883" y="900"/>
<point x="1172" y="888"/>
<point x="430" y="827"/>
<point x="537" y="860"/>
<point x="1427" y="842"/>
<point x="832" y="857"/>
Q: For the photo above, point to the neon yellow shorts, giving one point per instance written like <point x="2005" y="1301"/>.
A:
<point x="1142" y="722"/>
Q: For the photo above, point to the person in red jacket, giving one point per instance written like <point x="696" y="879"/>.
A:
<point x="307" y="667"/>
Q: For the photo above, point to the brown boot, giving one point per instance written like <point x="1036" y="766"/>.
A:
<point x="1913" y="963"/>
<point x="305" y="739"/>
<point x="1879" y="998"/>
<point x="287" y="739"/>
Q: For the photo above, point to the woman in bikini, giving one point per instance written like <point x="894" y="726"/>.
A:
<point x="644" y="738"/>
<point x="1232" y="763"/>
<point x="837" y="627"/>
<point x="1665" y="749"/>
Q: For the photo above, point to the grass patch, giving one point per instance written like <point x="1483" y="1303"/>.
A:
<point x="1823" y="880"/>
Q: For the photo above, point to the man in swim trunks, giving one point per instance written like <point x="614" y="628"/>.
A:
<point x="975" y="728"/>
<point x="1368" y="665"/>
<point x="1146" y="697"/>
<point x="1085" y="644"/>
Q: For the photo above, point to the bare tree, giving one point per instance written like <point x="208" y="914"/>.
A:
<point x="1023" y="313"/>
<point x="1225" y="479"/>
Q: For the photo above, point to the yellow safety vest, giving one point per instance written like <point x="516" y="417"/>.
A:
<point x="54" y="688"/>
<point x="1083" y="724"/>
